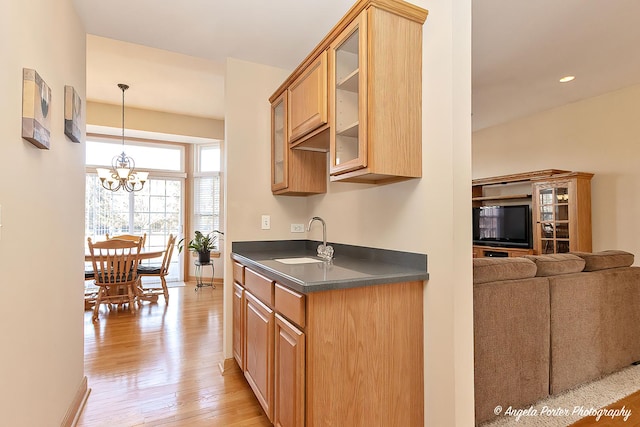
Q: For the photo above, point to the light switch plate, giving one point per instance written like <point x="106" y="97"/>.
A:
<point x="297" y="228"/>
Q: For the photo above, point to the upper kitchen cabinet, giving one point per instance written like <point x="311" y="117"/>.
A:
<point x="358" y="96"/>
<point x="375" y="85"/>
<point x="279" y="149"/>
<point x="307" y="107"/>
<point x="293" y="172"/>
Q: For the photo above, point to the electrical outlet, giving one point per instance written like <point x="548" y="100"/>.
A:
<point x="297" y="228"/>
<point x="266" y="222"/>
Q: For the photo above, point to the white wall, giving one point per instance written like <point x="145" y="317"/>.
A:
<point x="110" y="115"/>
<point x="42" y="198"/>
<point x="430" y="215"/>
<point x="597" y="135"/>
<point x="247" y="179"/>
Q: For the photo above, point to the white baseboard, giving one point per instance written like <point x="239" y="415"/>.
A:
<point x="77" y="405"/>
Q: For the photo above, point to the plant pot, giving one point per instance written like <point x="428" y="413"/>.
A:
<point x="204" y="257"/>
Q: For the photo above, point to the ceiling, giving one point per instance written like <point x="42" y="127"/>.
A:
<point x="174" y="59"/>
<point x="522" y="48"/>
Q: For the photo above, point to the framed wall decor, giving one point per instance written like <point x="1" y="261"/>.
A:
<point x="36" y="114"/>
<point x="72" y="112"/>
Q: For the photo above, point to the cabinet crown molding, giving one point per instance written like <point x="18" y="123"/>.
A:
<point x="398" y="7"/>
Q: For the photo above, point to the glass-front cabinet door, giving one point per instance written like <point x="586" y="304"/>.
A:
<point x="348" y="98"/>
<point x="561" y="208"/>
<point x="552" y="218"/>
<point x="279" y="148"/>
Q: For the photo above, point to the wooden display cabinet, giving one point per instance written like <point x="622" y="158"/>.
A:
<point x="375" y="99"/>
<point x="560" y="205"/>
<point x="358" y="96"/>
<point x="562" y="213"/>
<point x="293" y="173"/>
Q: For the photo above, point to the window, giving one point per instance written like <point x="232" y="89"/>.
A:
<point x="147" y="156"/>
<point x="155" y="210"/>
<point x="209" y="158"/>
<point x="206" y="188"/>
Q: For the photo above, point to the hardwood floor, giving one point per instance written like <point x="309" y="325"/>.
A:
<point x="631" y="404"/>
<point x="159" y="366"/>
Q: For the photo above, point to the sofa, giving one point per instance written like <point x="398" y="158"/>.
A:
<point x="544" y="324"/>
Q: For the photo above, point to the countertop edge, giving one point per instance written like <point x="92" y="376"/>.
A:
<point x="305" y="288"/>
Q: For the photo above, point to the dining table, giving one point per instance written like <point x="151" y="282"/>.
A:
<point x="144" y="254"/>
<point x="91" y="293"/>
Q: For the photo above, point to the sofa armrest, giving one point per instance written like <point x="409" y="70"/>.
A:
<point x="511" y="344"/>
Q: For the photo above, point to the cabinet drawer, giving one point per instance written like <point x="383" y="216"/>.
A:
<point x="238" y="273"/>
<point x="290" y="304"/>
<point x="260" y="286"/>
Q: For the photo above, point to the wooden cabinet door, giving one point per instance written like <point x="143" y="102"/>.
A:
<point x="238" y="324"/>
<point x="307" y="105"/>
<point x="348" y="98"/>
<point x="279" y="144"/>
<point x="552" y="217"/>
<point x="562" y="214"/>
<point x="259" y="327"/>
<point x="289" y="404"/>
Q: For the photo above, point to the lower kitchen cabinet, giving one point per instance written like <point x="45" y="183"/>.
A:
<point x="365" y="356"/>
<point x="259" y="339"/>
<point x="289" y="375"/>
<point x="350" y="356"/>
<point x="238" y="324"/>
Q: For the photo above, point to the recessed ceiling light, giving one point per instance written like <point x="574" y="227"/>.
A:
<point x="567" y="79"/>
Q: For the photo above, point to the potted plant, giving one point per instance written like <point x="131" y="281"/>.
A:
<point x="203" y="244"/>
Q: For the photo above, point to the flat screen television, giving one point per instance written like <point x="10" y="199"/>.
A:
<point x="508" y="226"/>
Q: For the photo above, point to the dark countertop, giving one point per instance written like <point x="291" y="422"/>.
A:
<point x="351" y="267"/>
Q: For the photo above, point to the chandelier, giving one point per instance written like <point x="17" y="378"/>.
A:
<point x="122" y="173"/>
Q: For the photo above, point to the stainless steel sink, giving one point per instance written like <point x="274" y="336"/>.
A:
<point x="299" y="260"/>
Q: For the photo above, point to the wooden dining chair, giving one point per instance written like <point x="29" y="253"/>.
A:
<point x="90" y="292"/>
<point x="161" y="271"/>
<point x="131" y="237"/>
<point x="115" y="267"/>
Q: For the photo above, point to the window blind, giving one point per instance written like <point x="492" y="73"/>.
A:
<point x="207" y="203"/>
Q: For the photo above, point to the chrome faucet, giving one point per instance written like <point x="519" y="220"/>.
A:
<point x="325" y="252"/>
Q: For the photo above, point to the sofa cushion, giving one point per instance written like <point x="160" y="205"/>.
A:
<point x="555" y="264"/>
<point x="606" y="259"/>
<point x="494" y="269"/>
